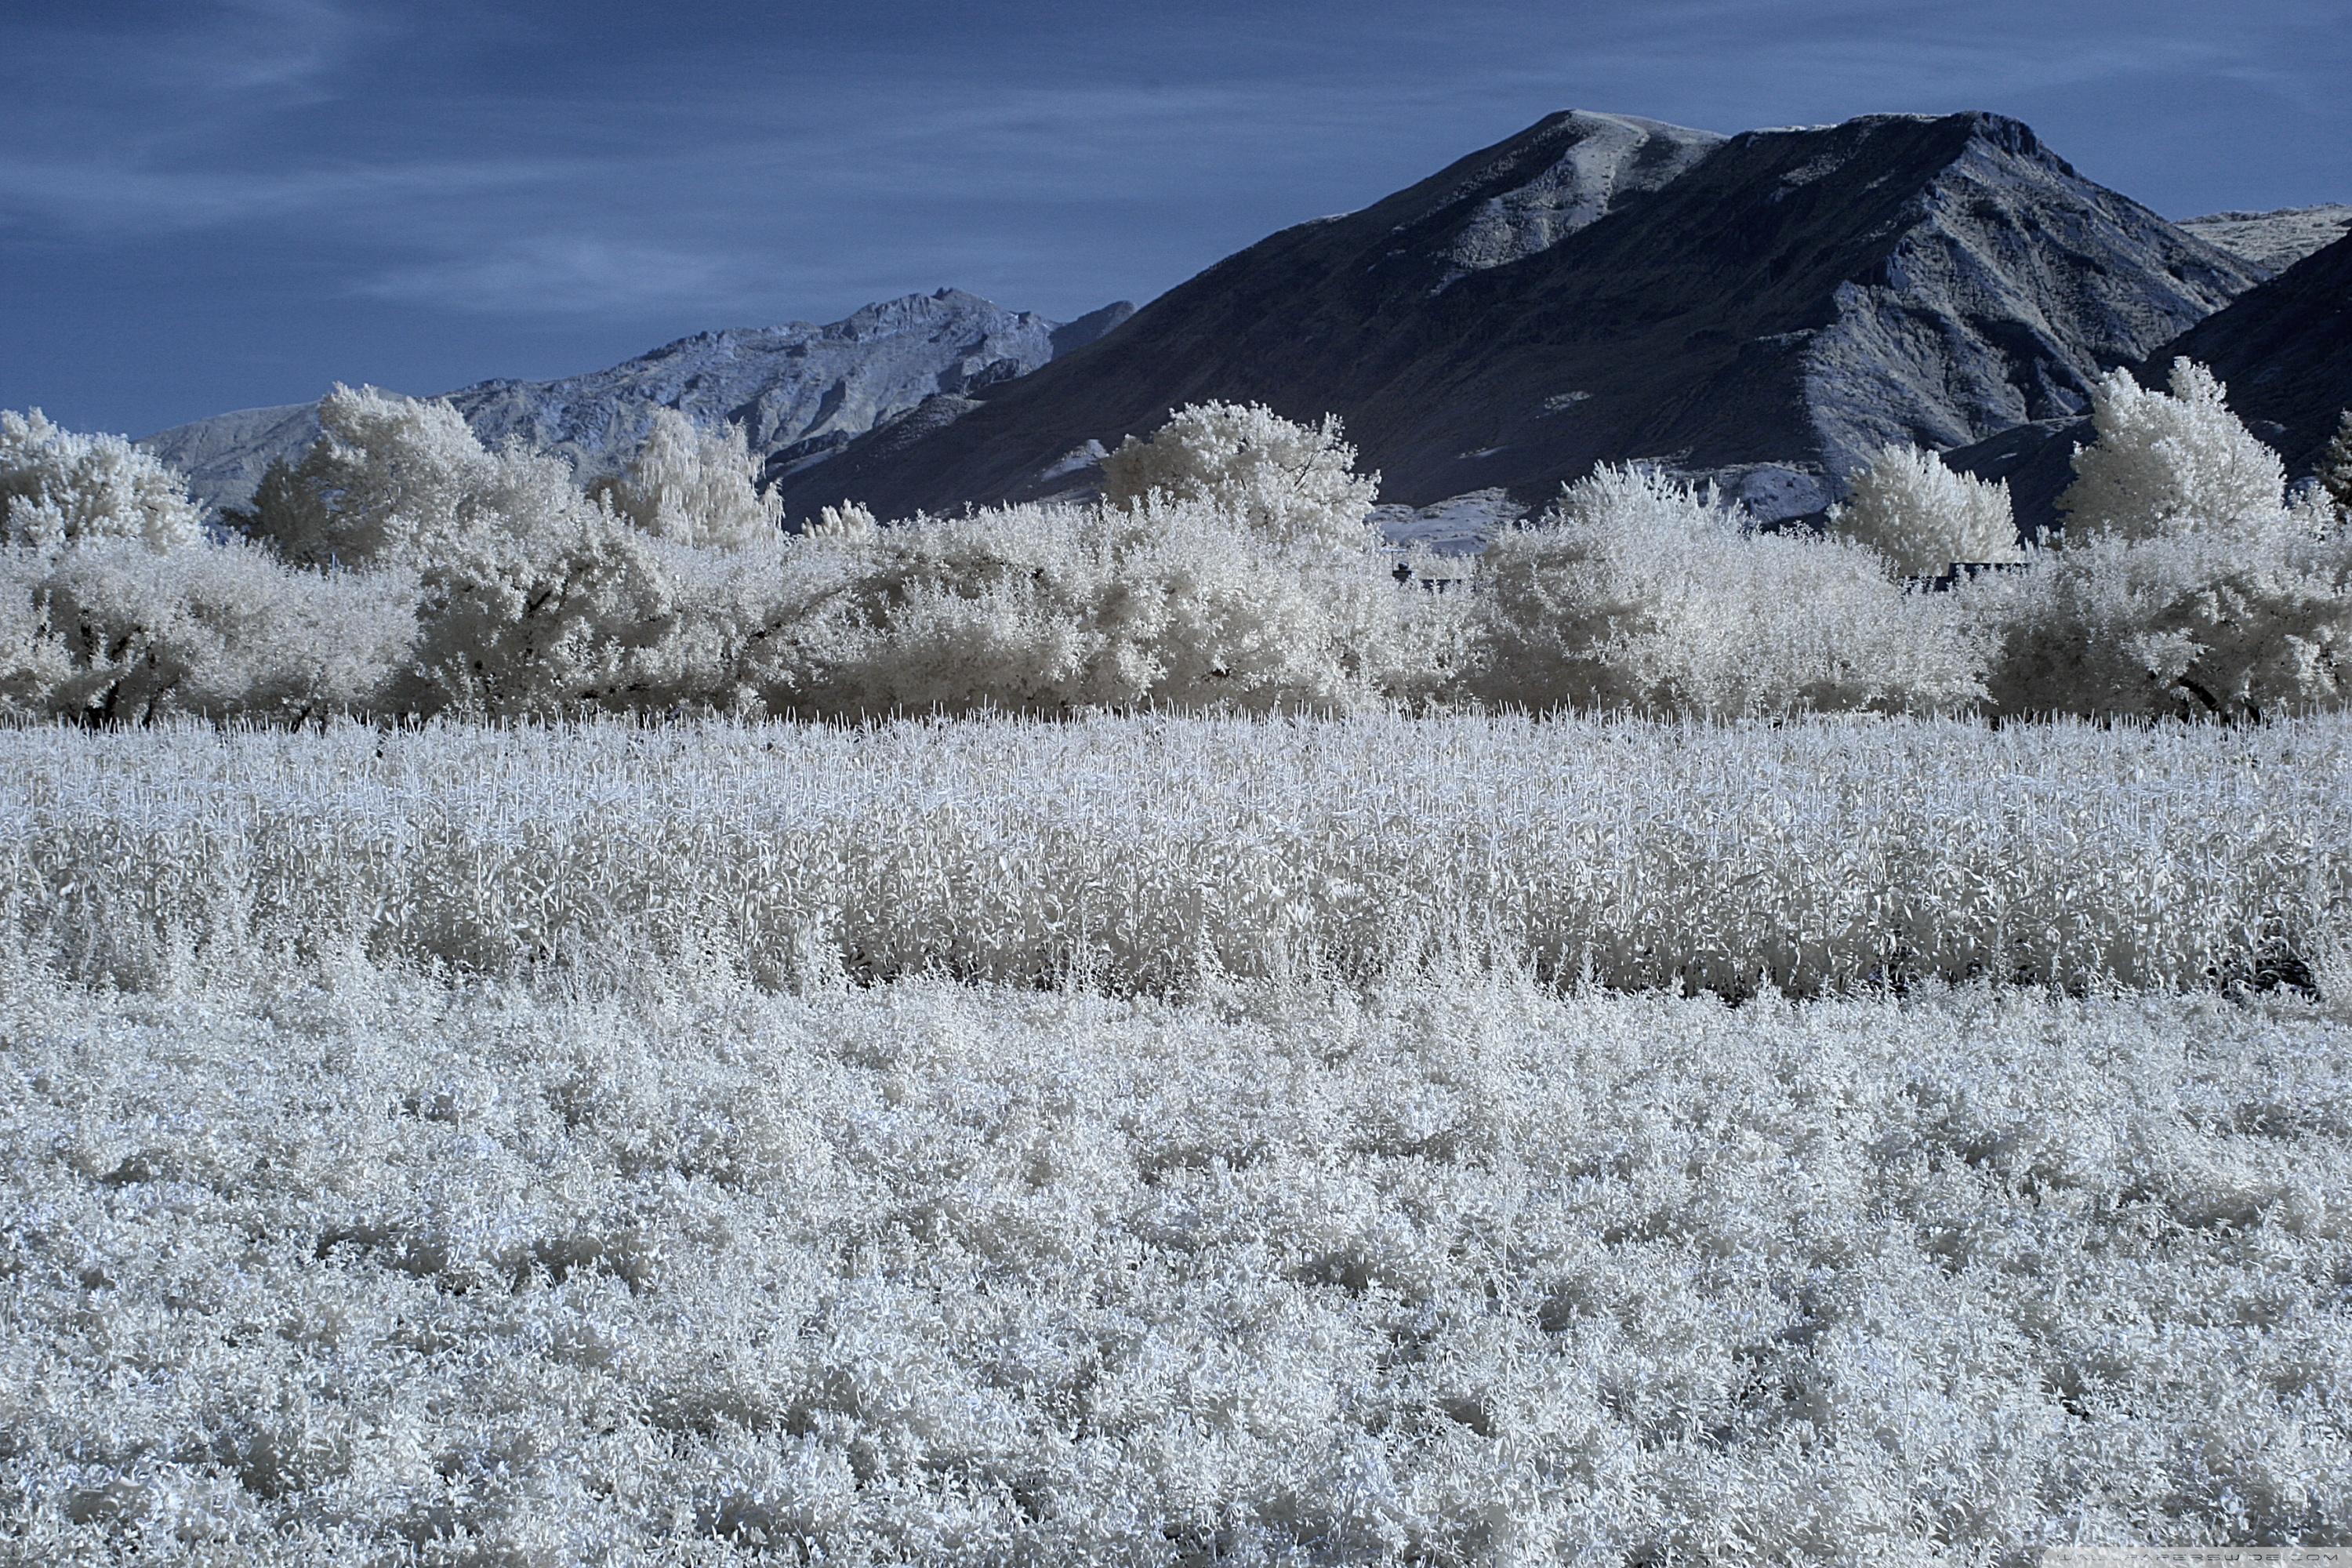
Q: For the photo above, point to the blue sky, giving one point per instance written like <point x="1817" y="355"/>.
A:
<point x="211" y="204"/>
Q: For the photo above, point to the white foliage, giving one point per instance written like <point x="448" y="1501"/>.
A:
<point x="1922" y="516"/>
<point x="2186" y="585"/>
<point x="2196" y="624"/>
<point x="115" y="631"/>
<point x="1287" y="483"/>
<point x="2335" y="466"/>
<point x="359" y="1268"/>
<point x="58" y="487"/>
<point x="695" y="486"/>
<point x="2164" y="466"/>
<point x="400" y="479"/>
<point x="1639" y="593"/>
<point x="1057" y="607"/>
<point x="1817" y="854"/>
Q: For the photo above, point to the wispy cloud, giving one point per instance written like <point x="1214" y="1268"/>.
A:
<point x="124" y="196"/>
<point x="567" y="275"/>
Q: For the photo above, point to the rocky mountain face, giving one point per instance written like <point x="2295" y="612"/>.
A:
<point x="1764" y="309"/>
<point x="2283" y="349"/>
<point x="801" y="391"/>
<point x="2274" y="240"/>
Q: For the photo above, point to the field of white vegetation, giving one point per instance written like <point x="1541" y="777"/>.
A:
<point x="1178" y="1140"/>
<point x="548" y="1026"/>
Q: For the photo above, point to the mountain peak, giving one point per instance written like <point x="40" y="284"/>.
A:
<point x="1768" y="308"/>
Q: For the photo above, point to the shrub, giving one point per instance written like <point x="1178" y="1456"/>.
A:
<point x="1923" y="517"/>
<point x="58" y="487"/>
<point x="695" y="486"/>
<point x="1640" y="593"/>
<point x="112" y="630"/>
<point x="1056" y="608"/>
<point x="1284" y="482"/>
<point x="2191" y="626"/>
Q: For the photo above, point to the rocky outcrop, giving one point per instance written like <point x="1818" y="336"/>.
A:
<point x="1764" y="309"/>
<point x="798" y="388"/>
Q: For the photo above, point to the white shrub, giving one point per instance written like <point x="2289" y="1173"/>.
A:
<point x="114" y="631"/>
<point x="2165" y="465"/>
<point x="1284" y="482"/>
<point x="695" y="486"/>
<point x="1639" y="593"/>
<point x="1922" y="516"/>
<point x="2186" y="585"/>
<point x="1056" y="608"/>
<point x="58" y="487"/>
<point x="539" y="619"/>
<point x="2201" y="624"/>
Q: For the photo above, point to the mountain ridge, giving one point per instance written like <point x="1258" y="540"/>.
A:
<point x="801" y="387"/>
<point x="1764" y="309"/>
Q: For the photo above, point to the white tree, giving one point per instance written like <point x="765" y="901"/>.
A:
<point x="1284" y="482"/>
<point x="400" y="478"/>
<point x="2164" y="465"/>
<point x="57" y="487"/>
<point x="2186" y="585"/>
<point x="2335" y="466"/>
<point x="1640" y="593"/>
<point x="529" y="597"/>
<point x="1922" y="516"/>
<point x="695" y="486"/>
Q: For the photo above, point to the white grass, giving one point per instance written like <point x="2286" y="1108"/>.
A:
<point x="349" y="1265"/>
<point x="1822" y="855"/>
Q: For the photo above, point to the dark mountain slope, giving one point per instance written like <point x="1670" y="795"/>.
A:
<point x="1766" y="308"/>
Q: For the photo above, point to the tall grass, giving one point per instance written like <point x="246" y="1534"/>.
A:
<point x="1815" y="855"/>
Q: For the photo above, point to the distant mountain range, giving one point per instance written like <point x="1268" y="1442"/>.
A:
<point x="801" y="391"/>
<point x="1764" y="309"/>
<point x="2274" y="240"/>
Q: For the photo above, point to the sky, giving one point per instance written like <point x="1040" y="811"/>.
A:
<point x="208" y="205"/>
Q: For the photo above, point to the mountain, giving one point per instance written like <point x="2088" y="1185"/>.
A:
<point x="800" y="390"/>
<point x="2273" y="241"/>
<point x="2283" y="349"/>
<point x="1764" y="309"/>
